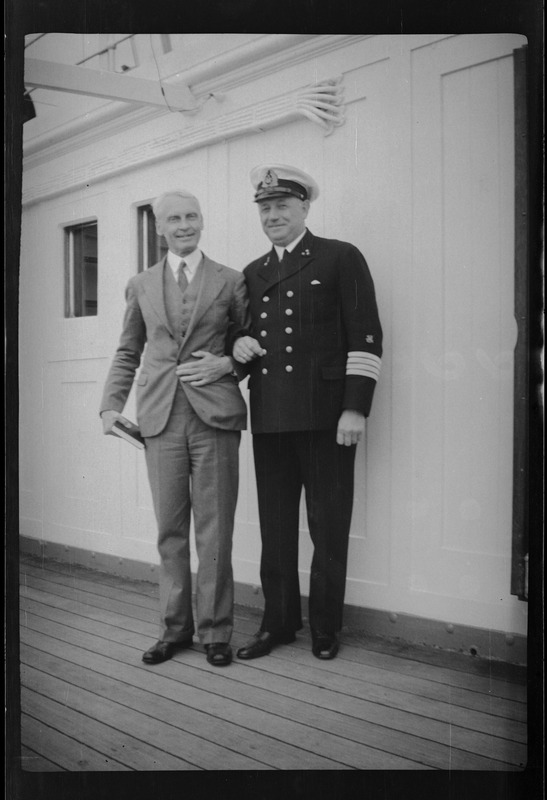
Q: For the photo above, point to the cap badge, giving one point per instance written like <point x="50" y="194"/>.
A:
<point x="270" y="179"/>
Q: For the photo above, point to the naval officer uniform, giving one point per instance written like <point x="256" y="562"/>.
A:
<point x="314" y="313"/>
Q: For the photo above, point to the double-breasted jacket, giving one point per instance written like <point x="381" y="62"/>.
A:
<point x="315" y="314"/>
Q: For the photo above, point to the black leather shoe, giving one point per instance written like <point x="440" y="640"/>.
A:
<point x="324" y="646"/>
<point x="262" y="642"/>
<point x="163" y="651"/>
<point x="219" y="654"/>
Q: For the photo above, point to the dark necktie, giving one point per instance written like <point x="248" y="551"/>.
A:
<point x="182" y="280"/>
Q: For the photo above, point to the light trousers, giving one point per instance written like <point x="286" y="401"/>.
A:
<point x="193" y="469"/>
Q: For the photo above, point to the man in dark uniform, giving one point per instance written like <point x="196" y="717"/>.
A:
<point x="313" y="352"/>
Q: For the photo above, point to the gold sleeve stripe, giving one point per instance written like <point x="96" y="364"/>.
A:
<point x="362" y="363"/>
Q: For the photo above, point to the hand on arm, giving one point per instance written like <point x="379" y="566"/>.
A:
<point x="351" y="427"/>
<point x="246" y="348"/>
<point x="206" y="368"/>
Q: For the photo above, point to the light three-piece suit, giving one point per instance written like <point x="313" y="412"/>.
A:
<point x="192" y="434"/>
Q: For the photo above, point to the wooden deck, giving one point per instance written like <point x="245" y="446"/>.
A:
<point x="88" y="703"/>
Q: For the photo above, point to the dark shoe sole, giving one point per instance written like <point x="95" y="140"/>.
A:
<point x="258" y="650"/>
<point x="247" y="653"/>
<point x="153" y="660"/>
<point x="160" y="659"/>
<point x="218" y="658"/>
<point x="326" y="654"/>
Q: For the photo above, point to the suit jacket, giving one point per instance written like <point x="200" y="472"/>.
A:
<point x="310" y="313"/>
<point x="221" y="303"/>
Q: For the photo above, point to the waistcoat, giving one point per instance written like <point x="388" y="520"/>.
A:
<point x="179" y="306"/>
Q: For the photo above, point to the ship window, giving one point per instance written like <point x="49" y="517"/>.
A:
<point x="81" y="270"/>
<point x="152" y="247"/>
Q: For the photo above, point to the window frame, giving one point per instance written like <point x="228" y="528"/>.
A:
<point x="151" y="248"/>
<point x="75" y="274"/>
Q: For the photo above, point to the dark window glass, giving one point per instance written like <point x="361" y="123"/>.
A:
<point x="152" y="247"/>
<point x="81" y="270"/>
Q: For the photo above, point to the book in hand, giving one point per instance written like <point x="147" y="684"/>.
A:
<point x="131" y="434"/>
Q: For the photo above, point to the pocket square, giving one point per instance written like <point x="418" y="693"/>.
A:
<point x="316" y="283"/>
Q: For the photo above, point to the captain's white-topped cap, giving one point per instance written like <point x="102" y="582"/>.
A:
<point x="280" y="180"/>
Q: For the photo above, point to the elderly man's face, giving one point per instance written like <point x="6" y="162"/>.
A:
<point x="283" y="218"/>
<point x="179" y="220"/>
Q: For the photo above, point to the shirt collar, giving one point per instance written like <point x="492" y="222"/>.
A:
<point x="290" y="247"/>
<point x="192" y="262"/>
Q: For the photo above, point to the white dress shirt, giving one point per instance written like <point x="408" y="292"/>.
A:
<point x="290" y="247"/>
<point x="192" y="262"/>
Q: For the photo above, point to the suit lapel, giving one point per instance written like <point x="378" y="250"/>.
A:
<point x="153" y="288"/>
<point x="268" y="269"/>
<point x="211" y="284"/>
<point x="272" y="272"/>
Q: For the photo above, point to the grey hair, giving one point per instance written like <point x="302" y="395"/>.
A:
<point x="158" y="202"/>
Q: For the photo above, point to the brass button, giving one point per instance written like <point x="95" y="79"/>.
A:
<point x="288" y="349"/>
<point x="289" y="312"/>
<point x="263" y="333"/>
<point x="288" y="330"/>
<point x="263" y="315"/>
<point x="290" y="293"/>
<point x="264" y="371"/>
<point x="288" y="368"/>
<point x="265" y="299"/>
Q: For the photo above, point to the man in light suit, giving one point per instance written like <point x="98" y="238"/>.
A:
<point x="313" y="351"/>
<point x="191" y="413"/>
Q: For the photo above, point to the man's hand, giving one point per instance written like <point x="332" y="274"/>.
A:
<point x="246" y="348"/>
<point x="110" y="417"/>
<point x="351" y="427"/>
<point x="207" y="368"/>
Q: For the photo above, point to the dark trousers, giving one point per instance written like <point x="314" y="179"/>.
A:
<point x="284" y="463"/>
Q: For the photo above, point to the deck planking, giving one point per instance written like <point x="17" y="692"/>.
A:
<point x="88" y="700"/>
